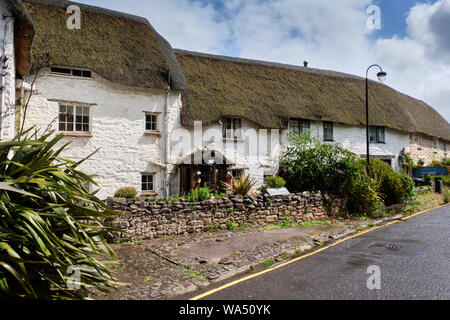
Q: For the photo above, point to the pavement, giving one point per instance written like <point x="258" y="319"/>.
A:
<point x="180" y="267"/>
<point x="412" y="257"/>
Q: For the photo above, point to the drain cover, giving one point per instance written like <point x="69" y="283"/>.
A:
<point x="391" y="247"/>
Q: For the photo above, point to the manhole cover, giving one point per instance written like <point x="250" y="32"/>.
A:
<point x="391" y="247"/>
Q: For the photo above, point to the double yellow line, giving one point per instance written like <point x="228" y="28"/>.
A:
<point x="208" y="293"/>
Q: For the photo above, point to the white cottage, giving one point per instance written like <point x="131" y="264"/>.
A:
<point x="111" y="87"/>
<point x="166" y="121"/>
<point x="273" y="100"/>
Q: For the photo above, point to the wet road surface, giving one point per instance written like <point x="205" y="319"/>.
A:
<point x="413" y="258"/>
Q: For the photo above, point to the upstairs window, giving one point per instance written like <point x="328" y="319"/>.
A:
<point x="71" y="72"/>
<point x="436" y="144"/>
<point x="297" y="126"/>
<point x="328" y="134"/>
<point x="377" y="135"/>
<point x="232" y="128"/>
<point x="151" y="122"/>
<point x="74" y="118"/>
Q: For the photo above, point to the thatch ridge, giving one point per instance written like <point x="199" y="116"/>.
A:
<point x="269" y="93"/>
<point x="120" y="47"/>
<point x="23" y="36"/>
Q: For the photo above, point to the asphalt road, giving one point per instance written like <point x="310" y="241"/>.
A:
<point x="413" y="258"/>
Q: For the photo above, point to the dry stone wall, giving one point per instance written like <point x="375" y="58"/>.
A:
<point x="143" y="219"/>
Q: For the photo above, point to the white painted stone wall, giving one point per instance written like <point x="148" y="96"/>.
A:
<point x="117" y="126"/>
<point x="353" y="138"/>
<point x="259" y="163"/>
<point x="7" y="97"/>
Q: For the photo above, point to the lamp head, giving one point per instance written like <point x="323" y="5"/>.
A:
<point x="382" y="76"/>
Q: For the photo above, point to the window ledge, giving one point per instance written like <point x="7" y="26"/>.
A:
<point x="76" y="134"/>
<point x="149" y="194"/>
<point x="152" y="133"/>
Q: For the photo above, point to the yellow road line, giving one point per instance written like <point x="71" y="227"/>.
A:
<point x="208" y="293"/>
<point x="416" y="214"/>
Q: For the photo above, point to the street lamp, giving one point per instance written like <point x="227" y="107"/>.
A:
<point x="382" y="77"/>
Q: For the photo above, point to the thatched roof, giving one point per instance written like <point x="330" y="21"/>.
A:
<point x="121" y="48"/>
<point x="270" y="93"/>
<point x="23" y="36"/>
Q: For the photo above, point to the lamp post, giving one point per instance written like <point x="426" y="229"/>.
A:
<point x="382" y="77"/>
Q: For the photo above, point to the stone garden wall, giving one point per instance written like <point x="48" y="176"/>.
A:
<point x="147" y="220"/>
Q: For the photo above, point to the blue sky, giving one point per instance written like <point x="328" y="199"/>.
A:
<point x="413" y="44"/>
<point x="394" y="13"/>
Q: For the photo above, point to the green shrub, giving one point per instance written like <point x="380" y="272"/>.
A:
<point x="276" y="182"/>
<point x="232" y="226"/>
<point x="127" y="192"/>
<point x="410" y="164"/>
<point x="446" y="161"/>
<point x="309" y="165"/>
<point x="364" y="197"/>
<point x="392" y="187"/>
<point x="241" y="186"/>
<point x="49" y="223"/>
<point x="436" y="163"/>
<point x="445" y="179"/>
<point x="446" y="194"/>
<point x="202" y="194"/>
<point x="219" y="195"/>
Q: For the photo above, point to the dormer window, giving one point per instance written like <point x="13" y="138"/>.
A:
<point x="71" y="72"/>
<point x="232" y="128"/>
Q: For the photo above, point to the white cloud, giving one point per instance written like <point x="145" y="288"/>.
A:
<point x="329" y="34"/>
<point x="419" y="64"/>
<point x="190" y="25"/>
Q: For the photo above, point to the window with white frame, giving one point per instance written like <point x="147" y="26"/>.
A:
<point x="377" y="135"/>
<point x="297" y="126"/>
<point x="148" y="182"/>
<point x="151" y="122"/>
<point x="328" y="134"/>
<point x="237" y="173"/>
<point x="73" y="118"/>
<point x="436" y="144"/>
<point x="232" y="128"/>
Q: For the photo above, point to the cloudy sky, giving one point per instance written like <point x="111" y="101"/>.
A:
<point x="411" y="43"/>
